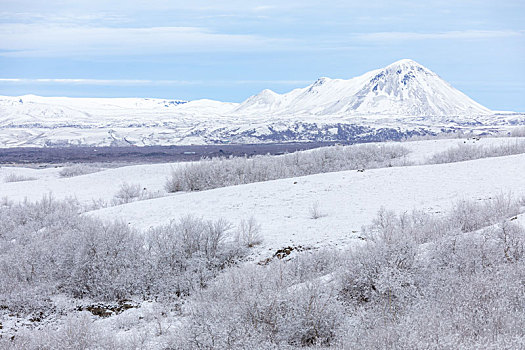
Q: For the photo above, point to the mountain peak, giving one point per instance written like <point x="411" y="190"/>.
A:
<point x="321" y="81"/>
<point x="268" y="92"/>
<point x="405" y="62"/>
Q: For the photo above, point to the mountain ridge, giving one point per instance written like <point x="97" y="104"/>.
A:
<point x="400" y="100"/>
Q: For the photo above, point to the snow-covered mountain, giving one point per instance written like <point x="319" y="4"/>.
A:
<point x="402" y="99"/>
<point x="403" y="88"/>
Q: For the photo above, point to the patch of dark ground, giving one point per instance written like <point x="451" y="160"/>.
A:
<point x="146" y="154"/>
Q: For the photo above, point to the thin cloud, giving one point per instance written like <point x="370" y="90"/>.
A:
<point x="82" y="81"/>
<point x="41" y="40"/>
<point x="458" y="35"/>
<point x="145" y="82"/>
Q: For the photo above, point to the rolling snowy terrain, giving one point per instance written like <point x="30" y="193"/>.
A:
<point x="400" y="100"/>
<point x="107" y="232"/>
<point x="349" y="199"/>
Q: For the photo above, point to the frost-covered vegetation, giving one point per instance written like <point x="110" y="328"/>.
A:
<point x="416" y="282"/>
<point x="413" y="281"/>
<point x="77" y="170"/>
<point x="467" y="151"/>
<point x="47" y="249"/>
<point x="128" y="193"/>
<point x="222" y="172"/>
<point x="12" y="177"/>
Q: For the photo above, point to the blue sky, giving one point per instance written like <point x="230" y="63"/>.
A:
<point x="229" y="50"/>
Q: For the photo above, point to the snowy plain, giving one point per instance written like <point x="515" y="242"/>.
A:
<point x="347" y="200"/>
<point x="103" y="184"/>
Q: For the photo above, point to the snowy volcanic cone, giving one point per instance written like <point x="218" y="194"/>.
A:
<point x="403" y="88"/>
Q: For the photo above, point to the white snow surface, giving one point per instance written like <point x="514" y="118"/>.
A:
<point x="89" y="188"/>
<point x="349" y="199"/>
<point x="104" y="184"/>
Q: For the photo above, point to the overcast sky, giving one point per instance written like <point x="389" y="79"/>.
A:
<point x="229" y="50"/>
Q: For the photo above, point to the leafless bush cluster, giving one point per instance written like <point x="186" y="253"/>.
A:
<point x="249" y="233"/>
<point x="457" y="289"/>
<point x="222" y="172"/>
<point x="417" y="281"/>
<point x="47" y="248"/>
<point x="465" y="152"/>
<point x="518" y="131"/>
<point x="77" y="170"/>
<point x="128" y="193"/>
<point x="12" y="177"/>
<point x="276" y="306"/>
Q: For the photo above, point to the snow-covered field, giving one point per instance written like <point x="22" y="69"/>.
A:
<point x="322" y="213"/>
<point x="103" y="184"/>
<point x="346" y="199"/>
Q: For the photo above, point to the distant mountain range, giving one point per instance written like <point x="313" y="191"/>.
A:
<point x="400" y="100"/>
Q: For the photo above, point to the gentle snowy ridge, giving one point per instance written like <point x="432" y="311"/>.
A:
<point x="349" y="199"/>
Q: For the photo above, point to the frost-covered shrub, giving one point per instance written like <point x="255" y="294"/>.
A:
<point x="421" y="227"/>
<point x="221" y="172"/>
<point x="74" y="332"/>
<point x="185" y="254"/>
<point x="48" y="248"/>
<point x="518" y="131"/>
<point x="128" y="193"/>
<point x="460" y="288"/>
<point x="249" y="233"/>
<point x="470" y="216"/>
<point x="264" y="307"/>
<point x="511" y="239"/>
<point x="464" y="152"/>
<point x="77" y="170"/>
<point x="382" y="271"/>
<point x="315" y="211"/>
<point x="12" y="177"/>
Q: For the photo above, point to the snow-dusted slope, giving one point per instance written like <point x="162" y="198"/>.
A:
<point x="104" y="184"/>
<point x="349" y="199"/>
<point x="403" y="88"/>
<point x="99" y="112"/>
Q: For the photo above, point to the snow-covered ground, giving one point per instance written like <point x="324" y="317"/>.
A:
<point x="98" y="186"/>
<point x="345" y="201"/>
<point x="283" y="207"/>
<point x="103" y="185"/>
<point x="349" y="199"/>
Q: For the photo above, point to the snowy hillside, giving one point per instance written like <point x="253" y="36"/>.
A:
<point x="400" y="100"/>
<point x="347" y="200"/>
<point x="103" y="184"/>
